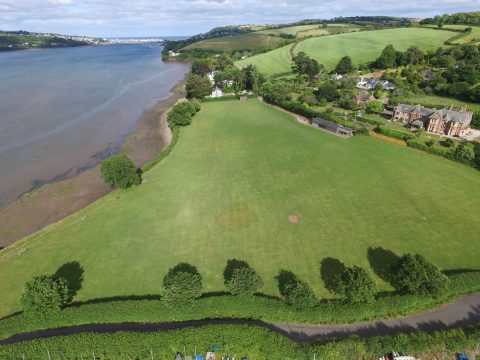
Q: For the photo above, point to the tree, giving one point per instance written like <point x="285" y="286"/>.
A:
<point x="182" y="285"/>
<point x="327" y="90"/>
<point x="300" y="296"/>
<point x="120" y="171"/>
<point x="244" y="281"/>
<point x="200" y="68"/>
<point x="347" y="103"/>
<point x="374" y="106"/>
<point x="252" y="78"/>
<point x="224" y="61"/>
<point x="357" y="285"/>
<point x="415" y="275"/>
<point x="344" y="66"/>
<point x="304" y="65"/>
<point x="465" y="152"/>
<point x="182" y="113"/>
<point x="387" y="59"/>
<point x="276" y="92"/>
<point x="44" y="296"/>
<point x="198" y="87"/>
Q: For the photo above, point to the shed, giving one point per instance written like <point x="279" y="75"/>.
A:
<point x="333" y="127"/>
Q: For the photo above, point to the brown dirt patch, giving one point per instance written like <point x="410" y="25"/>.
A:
<point x="387" y="138"/>
<point x="239" y="216"/>
<point x="55" y="201"/>
<point x="293" y="219"/>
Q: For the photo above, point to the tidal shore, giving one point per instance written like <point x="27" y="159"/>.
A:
<point x="59" y="199"/>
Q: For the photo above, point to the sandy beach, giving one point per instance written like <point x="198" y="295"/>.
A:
<point x="55" y="201"/>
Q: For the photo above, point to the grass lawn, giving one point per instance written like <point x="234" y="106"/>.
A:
<point x="227" y="190"/>
<point x="361" y="46"/>
<point x="250" y="41"/>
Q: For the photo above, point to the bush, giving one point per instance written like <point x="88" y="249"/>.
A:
<point x="415" y="275"/>
<point x="357" y="285"/>
<point x="120" y="171"/>
<point x="447" y="142"/>
<point x="362" y="131"/>
<point x="44" y="296"/>
<point x="374" y="106"/>
<point x="300" y="296"/>
<point x="182" y="113"/>
<point x="465" y="153"/>
<point x="394" y="133"/>
<point x="182" y="285"/>
<point x="245" y="281"/>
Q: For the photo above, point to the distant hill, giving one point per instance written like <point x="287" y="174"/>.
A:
<point x="19" y="40"/>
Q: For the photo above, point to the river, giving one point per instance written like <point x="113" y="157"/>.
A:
<point x="62" y="110"/>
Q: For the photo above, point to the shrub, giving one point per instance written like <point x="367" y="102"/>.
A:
<point x="44" y="296"/>
<point x="182" y="285"/>
<point x="300" y="296"/>
<point x="374" y="106"/>
<point x="357" y="285"/>
<point x="362" y="131"/>
<point x="447" y="142"/>
<point x="182" y="113"/>
<point x="429" y="143"/>
<point x="465" y="153"/>
<point x="415" y="275"/>
<point x="119" y="171"/>
<point x="394" y="133"/>
<point x="245" y="281"/>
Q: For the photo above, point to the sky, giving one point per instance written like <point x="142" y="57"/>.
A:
<point x="123" y="18"/>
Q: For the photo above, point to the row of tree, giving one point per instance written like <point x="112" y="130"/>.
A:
<point x="46" y="295"/>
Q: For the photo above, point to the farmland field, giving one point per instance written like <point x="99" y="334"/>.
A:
<point x="252" y="41"/>
<point x="362" y="47"/>
<point x="227" y="191"/>
<point x="275" y="62"/>
<point x="463" y="38"/>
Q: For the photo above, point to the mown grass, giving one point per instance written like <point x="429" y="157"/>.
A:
<point x="226" y="191"/>
<point x="362" y="47"/>
<point x="463" y="38"/>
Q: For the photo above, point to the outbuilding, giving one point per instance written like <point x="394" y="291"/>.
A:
<point x="333" y="127"/>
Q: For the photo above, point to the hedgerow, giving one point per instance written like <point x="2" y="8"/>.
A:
<point x="393" y="133"/>
<point x="152" y="309"/>
<point x="244" y="340"/>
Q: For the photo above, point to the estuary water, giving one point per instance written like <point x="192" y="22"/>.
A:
<point x="62" y="110"/>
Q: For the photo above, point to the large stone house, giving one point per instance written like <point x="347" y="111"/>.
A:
<point x="447" y="121"/>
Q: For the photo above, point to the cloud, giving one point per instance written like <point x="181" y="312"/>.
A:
<point x="170" y="17"/>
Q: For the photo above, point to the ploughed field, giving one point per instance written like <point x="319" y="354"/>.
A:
<point x="362" y="47"/>
<point x="227" y="191"/>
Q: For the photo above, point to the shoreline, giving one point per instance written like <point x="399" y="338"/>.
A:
<point x="58" y="199"/>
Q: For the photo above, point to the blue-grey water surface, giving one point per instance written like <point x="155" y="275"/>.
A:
<point x="61" y="108"/>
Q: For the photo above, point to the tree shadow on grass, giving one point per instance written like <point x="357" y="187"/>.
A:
<point x="285" y="279"/>
<point x="330" y="272"/>
<point x="72" y="272"/>
<point x="183" y="268"/>
<point x="382" y="261"/>
<point x="232" y="265"/>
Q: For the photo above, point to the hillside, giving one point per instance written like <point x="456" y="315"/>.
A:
<point x="227" y="191"/>
<point x="362" y="47"/>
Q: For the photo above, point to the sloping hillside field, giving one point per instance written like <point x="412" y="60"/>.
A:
<point x="227" y="191"/>
<point x="361" y="46"/>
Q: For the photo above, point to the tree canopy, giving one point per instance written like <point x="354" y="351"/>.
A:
<point x="120" y="171"/>
<point x="44" y="296"/>
<point x="345" y="65"/>
<point x="182" y="285"/>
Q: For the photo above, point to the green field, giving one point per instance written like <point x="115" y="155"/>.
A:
<point x="362" y="47"/>
<point x="251" y="41"/>
<point x="463" y="38"/>
<point x="227" y="190"/>
<point x="275" y="62"/>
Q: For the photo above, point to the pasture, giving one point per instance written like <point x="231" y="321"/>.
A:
<point x="251" y="41"/>
<point x="361" y="46"/>
<point x="227" y="191"/>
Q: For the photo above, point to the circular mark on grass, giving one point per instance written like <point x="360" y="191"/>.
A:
<point x="293" y="219"/>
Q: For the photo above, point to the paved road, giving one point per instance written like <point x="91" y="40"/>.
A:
<point x="461" y="313"/>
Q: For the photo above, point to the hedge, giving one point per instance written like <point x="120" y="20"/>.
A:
<point x="448" y="153"/>
<point x="370" y="121"/>
<point x="151" y="309"/>
<point x="243" y="340"/>
<point x="394" y="133"/>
